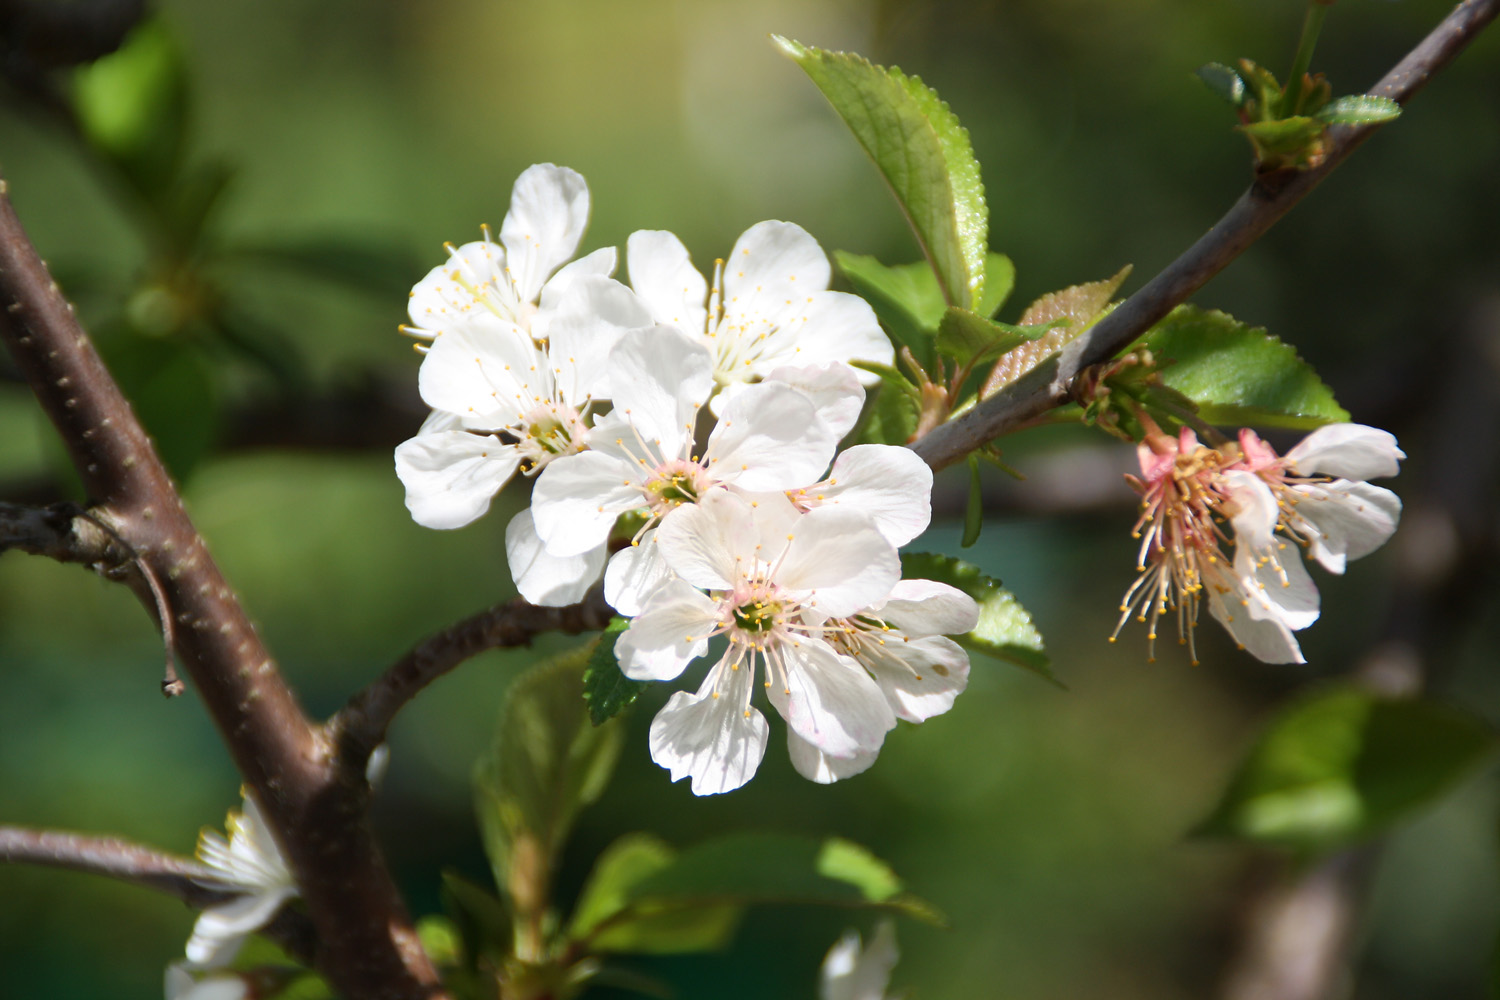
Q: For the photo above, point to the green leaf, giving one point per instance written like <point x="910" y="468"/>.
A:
<point x="1359" y="109"/>
<point x="606" y="689"/>
<point x="370" y="264"/>
<point x="1223" y="81"/>
<point x="547" y="762"/>
<point x="923" y="154"/>
<point x="970" y="339"/>
<point x="482" y="921"/>
<point x="132" y="105"/>
<point x="906" y="299"/>
<point x="1074" y="309"/>
<point x="165" y="379"/>
<point x="974" y="509"/>
<point x="999" y="281"/>
<point x="1005" y="630"/>
<point x="1344" y="763"/>
<point x="441" y="939"/>
<point x="745" y="868"/>
<point x="1238" y="374"/>
<point x="1264" y="87"/>
<point x="892" y="418"/>
<point x="610" y="919"/>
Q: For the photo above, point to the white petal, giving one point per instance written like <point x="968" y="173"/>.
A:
<point x="592" y="317"/>
<point x="833" y="388"/>
<point x="451" y="476"/>
<point x="633" y="575"/>
<point x="577" y="498"/>
<point x="839" y="560"/>
<point x="180" y="985"/>
<point x="658" y="380"/>
<point x="830" y="700"/>
<point x="719" y="741"/>
<point x="815" y="765"/>
<point x="711" y="544"/>
<point x="1347" y="520"/>
<point x="1276" y="585"/>
<point x="1267" y="640"/>
<point x="851" y="974"/>
<point x="931" y="673"/>
<point x="770" y="438"/>
<point x="771" y="261"/>
<point x="1348" y="451"/>
<point x="926" y="607"/>
<point x="545" y="579"/>
<point x="600" y="263"/>
<point x="1256" y="512"/>
<point x="445" y="296"/>
<point x="664" y="277"/>
<point x="222" y="928"/>
<point x="549" y="209"/>
<point x="488" y="381"/>
<point x="890" y="484"/>
<point x="669" y="633"/>
<point x="833" y="326"/>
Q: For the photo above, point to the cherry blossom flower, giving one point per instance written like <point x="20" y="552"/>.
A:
<point x="1277" y="507"/>
<point x="642" y="457"/>
<point x="518" y="352"/>
<point x="769" y="305"/>
<point x="184" y="982"/>
<point x="250" y="863"/>
<point x="854" y="973"/>
<point x="765" y="578"/>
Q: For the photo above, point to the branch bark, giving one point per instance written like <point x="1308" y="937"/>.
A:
<point x="368" y="947"/>
<point x="1048" y="385"/>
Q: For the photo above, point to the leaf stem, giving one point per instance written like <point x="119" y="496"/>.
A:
<point x="1312" y="24"/>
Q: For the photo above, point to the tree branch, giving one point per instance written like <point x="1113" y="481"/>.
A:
<point x="368" y="945"/>
<point x="1268" y="199"/>
<point x="119" y="859"/>
<point x="361" y="725"/>
<point x="61" y="531"/>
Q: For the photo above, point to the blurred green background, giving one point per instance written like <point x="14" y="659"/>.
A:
<point x="1049" y="825"/>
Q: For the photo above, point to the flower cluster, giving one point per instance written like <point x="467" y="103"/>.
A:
<point x="1314" y="499"/>
<point x="708" y="417"/>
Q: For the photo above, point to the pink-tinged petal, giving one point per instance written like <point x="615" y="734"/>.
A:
<point x="633" y="575"/>
<point x="713" y="736"/>
<point x="920" y="678"/>
<point x="815" y="765"/>
<point x="669" y="633"/>
<point x="829" y="699"/>
<point x="663" y="276"/>
<point x="1267" y="640"/>
<point x="222" y="928"/>
<point x="578" y="497"/>
<point x="593" y="317"/>
<point x="891" y="485"/>
<point x="549" y="209"/>
<point x="838" y="559"/>
<point x="833" y="388"/>
<point x="487" y="381"/>
<point x="658" y="380"/>
<point x="851" y="974"/>
<point x="710" y="544"/>
<point x="926" y="607"/>
<point x="1347" y="451"/>
<point x="545" y="579"/>
<point x="769" y="438"/>
<point x="1347" y="520"/>
<point x="451" y="476"/>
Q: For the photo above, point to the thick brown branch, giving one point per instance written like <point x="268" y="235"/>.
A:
<point x="1269" y="198"/>
<point x="368" y="946"/>
<point x="362" y="724"/>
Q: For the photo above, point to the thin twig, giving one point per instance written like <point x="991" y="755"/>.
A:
<point x="1268" y="199"/>
<point x="184" y="878"/>
<point x="368" y="946"/>
<point x="362" y="723"/>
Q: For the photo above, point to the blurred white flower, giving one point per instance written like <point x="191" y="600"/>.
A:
<point x="249" y="863"/>
<point x="186" y="983"/>
<point x="852" y="973"/>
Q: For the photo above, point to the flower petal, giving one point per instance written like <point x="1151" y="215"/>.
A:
<point x="669" y="633"/>
<point x="711" y="543"/>
<point x="587" y="325"/>
<point x="658" y="380"/>
<point x="770" y="438"/>
<point x="833" y="388"/>
<point x="663" y="276"/>
<point x="772" y="261"/>
<point x="1265" y="639"/>
<point x="600" y="263"/>
<point x="578" y="497"/>
<point x="851" y="974"/>
<point x="713" y="736"/>
<point x="889" y="484"/>
<point x="451" y="476"/>
<point x="920" y="678"/>
<point x="1348" y="451"/>
<point x="489" y="381"/>
<point x="222" y="928"/>
<point x="543" y="578"/>
<point x="633" y="575"/>
<point x="549" y="209"/>
<point x="1346" y="520"/>
<point x="926" y="607"/>
<point x="839" y="560"/>
<point x="830" y="700"/>
<point x="815" y="765"/>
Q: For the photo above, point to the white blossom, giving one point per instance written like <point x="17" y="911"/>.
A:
<point x="853" y="973"/>
<point x="769" y="305"/>
<point x="248" y="863"/>
<point x="184" y="982"/>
